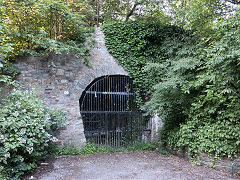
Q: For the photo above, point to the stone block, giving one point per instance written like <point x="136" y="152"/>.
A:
<point x="64" y="81"/>
<point x="60" y="72"/>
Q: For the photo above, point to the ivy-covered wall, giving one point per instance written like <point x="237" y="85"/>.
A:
<point x="192" y="81"/>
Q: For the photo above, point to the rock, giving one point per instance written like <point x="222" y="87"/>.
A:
<point x="60" y="72"/>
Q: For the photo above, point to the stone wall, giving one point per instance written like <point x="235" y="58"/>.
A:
<point x="61" y="81"/>
<point x="155" y="125"/>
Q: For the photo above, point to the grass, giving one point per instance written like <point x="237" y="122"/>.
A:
<point x="91" y="148"/>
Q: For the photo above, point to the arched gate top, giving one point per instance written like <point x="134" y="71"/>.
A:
<point x="109" y="111"/>
<point x="108" y="93"/>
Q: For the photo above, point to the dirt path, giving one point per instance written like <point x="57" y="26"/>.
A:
<point x="132" y="165"/>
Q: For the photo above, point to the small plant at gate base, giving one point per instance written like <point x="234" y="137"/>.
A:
<point x="91" y="148"/>
<point x="142" y="146"/>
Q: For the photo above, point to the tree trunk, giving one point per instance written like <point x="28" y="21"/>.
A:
<point x="60" y="28"/>
<point x="97" y="11"/>
<point x="235" y="2"/>
<point x="132" y="11"/>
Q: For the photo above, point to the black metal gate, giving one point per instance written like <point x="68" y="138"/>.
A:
<point x="109" y="112"/>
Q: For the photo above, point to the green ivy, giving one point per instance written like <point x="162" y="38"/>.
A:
<point x="191" y="81"/>
<point x="136" y="44"/>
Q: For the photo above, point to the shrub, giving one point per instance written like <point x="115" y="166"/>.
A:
<point x="25" y="126"/>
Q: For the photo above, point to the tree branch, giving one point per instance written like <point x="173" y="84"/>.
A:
<point x="234" y="1"/>
<point x="132" y="10"/>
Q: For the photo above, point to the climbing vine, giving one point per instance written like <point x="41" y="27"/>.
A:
<point x="136" y="44"/>
<point x="191" y="81"/>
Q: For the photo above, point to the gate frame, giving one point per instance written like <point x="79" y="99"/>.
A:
<point x="131" y="113"/>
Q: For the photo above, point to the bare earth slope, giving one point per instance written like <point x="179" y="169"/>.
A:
<point x="132" y="165"/>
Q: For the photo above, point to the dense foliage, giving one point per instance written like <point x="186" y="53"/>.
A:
<point x="43" y="27"/>
<point x="199" y="15"/>
<point x="193" y="81"/>
<point x="212" y="123"/>
<point x="136" y="44"/>
<point x="26" y="128"/>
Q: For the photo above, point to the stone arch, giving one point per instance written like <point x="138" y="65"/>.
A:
<point x="61" y="81"/>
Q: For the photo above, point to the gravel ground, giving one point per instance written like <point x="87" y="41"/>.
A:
<point x="132" y="165"/>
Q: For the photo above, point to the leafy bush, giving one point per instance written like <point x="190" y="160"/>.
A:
<point x="41" y="27"/>
<point x="25" y="126"/>
<point x="212" y="123"/>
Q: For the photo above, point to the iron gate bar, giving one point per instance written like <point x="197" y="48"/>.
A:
<point x="110" y="112"/>
<point x="120" y="130"/>
<point x="114" y="93"/>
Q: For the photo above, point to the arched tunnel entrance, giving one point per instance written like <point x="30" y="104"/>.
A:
<point x="109" y="112"/>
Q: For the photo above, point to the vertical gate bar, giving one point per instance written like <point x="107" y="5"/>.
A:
<point x="132" y="99"/>
<point x="120" y="103"/>
<point x="105" y="90"/>
<point x="117" y="96"/>
<point x="100" y="96"/>
<point x="122" y="95"/>
<point x="116" y="137"/>
<point x="141" y="127"/>
<point x="131" y="128"/>
<point x="99" y="127"/>
<point x="110" y="96"/>
<point x="104" y="115"/>
<point x="125" y="97"/>
<point x="87" y="107"/>
<point x="118" y="130"/>
<point x="97" y="96"/>
<point x="94" y="119"/>
<point x="93" y="98"/>
<point x="114" y="99"/>
<point x="114" y="141"/>
<point x="106" y="128"/>
<point x="141" y="118"/>
<point x="109" y="100"/>
<point x="104" y="97"/>
<point x="131" y="102"/>
<point x="112" y="130"/>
